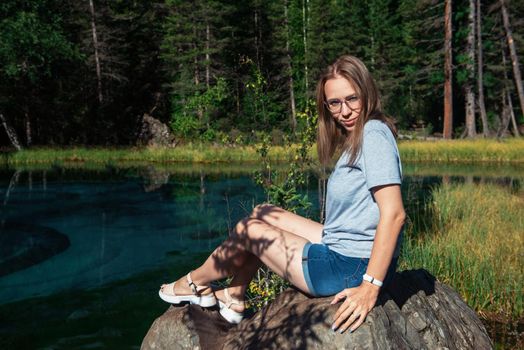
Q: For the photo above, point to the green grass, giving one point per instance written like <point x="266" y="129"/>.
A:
<point x="474" y="241"/>
<point x="455" y="151"/>
<point x="463" y="151"/>
<point x="199" y="153"/>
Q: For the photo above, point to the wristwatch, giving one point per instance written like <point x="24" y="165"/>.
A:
<point x="372" y="280"/>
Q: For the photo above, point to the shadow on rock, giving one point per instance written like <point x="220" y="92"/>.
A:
<point x="414" y="312"/>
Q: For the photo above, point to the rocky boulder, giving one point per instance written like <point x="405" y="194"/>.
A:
<point x="154" y="133"/>
<point x="414" y="312"/>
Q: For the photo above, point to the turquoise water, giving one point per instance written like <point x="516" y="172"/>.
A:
<point x="112" y="228"/>
<point x="84" y="251"/>
<point x="81" y="246"/>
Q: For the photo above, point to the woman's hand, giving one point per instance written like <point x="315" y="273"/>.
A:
<point x="357" y="304"/>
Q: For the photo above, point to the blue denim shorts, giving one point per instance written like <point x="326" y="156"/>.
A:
<point x="327" y="272"/>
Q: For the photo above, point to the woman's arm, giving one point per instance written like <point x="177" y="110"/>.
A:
<point x="360" y="300"/>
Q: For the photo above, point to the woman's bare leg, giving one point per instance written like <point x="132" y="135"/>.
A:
<point x="240" y="281"/>
<point x="272" y="236"/>
<point x="288" y="221"/>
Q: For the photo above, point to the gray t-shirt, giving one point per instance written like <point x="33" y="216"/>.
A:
<point x="352" y="214"/>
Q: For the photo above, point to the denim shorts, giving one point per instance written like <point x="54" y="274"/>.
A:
<point x="327" y="272"/>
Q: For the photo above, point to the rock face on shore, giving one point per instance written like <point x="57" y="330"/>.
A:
<point x="414" y="312"/>
<point x="154" y="133"/>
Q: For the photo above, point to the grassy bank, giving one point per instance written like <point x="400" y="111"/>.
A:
<point x="474" y="241"/>
<point x="455" y="151"/>
<point x="463" y="151"/>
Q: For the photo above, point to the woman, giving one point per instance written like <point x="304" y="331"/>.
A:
<point x="355" y="251"/>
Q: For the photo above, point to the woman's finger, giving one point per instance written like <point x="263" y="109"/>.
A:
<point x="347" y="303"/>
<point x="359" y="321"/>
<point x="340" y="296"/>
<point x="343" y="312"/>
<point x="341" y="309"/>
<point x="351" y="319"/>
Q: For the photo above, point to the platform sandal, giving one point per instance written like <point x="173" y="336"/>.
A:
<point x="230" y="315"/>
<point x="204" y="300"/>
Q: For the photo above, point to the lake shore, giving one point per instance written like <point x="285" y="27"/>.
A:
<point x="442" y="151"/>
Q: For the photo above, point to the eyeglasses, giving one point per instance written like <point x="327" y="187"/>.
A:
<point x="335" y="105"/>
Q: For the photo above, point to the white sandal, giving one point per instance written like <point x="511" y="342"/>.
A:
<point x="204" y="300"/>
<point x="230" y="315"/>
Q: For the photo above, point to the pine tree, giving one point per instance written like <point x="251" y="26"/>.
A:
<point x="33" y="47"/>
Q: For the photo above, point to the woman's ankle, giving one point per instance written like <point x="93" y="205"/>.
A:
<point x="194" y="285"/>
<point x="234" y="301"/>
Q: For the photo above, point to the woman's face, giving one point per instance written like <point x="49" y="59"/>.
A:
<point x="343" y="102"/>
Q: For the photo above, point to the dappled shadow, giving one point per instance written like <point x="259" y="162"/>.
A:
<point x="292" y="321"/>
<point x="297" y="321"/>
<point x="251" y="238"/>
<point x="413" y="312"/>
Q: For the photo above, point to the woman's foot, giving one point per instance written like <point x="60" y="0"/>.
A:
<point x="184" y="290"/>
<point x="231" y="308"/>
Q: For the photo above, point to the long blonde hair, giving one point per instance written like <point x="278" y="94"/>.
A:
<point x="330" y="135"/>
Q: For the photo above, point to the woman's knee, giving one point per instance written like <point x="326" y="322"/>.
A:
<point x="246" y="228"/>
<point x="262" y="209"/>
<point x="241" y="228"/>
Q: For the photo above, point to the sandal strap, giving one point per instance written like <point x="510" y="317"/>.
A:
<point x="230" y="300"/>
<point x="193" y="286"/>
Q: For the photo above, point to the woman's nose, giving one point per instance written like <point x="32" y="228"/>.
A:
<point x="345" y="111"/>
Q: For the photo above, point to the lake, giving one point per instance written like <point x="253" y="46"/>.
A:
<point x="83" y="251"/>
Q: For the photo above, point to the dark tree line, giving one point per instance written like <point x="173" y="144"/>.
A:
<point x="85" y="72"/>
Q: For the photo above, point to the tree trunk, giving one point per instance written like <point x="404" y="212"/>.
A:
<point x="305" y="7"/>
<point x="507" y="93"/>
<point x="512" y="116"/>
<point x="28" y="137"/>
<point x="290" y="72"/>
<point x="257" y="39"/>
<point x="97" y="56"/>
<point x="208" y="61"/>
<point x="448" y="74"/>
<point x="480" y="74"/>
<point x="200" y="112"/>
<point x="470" y="66"/>
<point x="11" y="133"/>
<point x="513" y="54"/>
<point x="505" y="114"/>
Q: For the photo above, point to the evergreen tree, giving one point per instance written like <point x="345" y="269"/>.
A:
<point x="33" y="48"/>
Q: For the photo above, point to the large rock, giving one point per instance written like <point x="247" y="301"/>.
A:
<point x="414" y="312"/>
<point x="154" y="133"/>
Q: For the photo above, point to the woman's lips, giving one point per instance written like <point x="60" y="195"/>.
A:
<point x="348" y="122"/>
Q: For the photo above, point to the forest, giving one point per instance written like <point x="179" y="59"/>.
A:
<point x="86" y="72"/>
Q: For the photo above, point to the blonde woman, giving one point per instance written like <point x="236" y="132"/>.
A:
<point x="354" y="253"/>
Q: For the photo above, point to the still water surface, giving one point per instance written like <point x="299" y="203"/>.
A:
<point x="82" y="252"/>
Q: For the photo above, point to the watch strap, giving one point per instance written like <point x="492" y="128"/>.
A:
<point x="372" y="280"/>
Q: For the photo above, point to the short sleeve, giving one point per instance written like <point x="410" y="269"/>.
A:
<point x="380" y="158"/>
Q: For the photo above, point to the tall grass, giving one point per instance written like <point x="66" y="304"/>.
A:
<point x="474" y="241"/>
<point x="197" y="153"/>
<point x="468" y="151"/>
